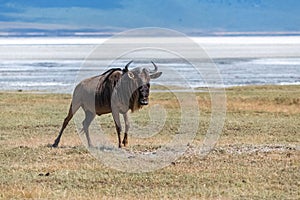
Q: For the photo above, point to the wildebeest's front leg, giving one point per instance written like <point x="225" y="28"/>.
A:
<point x="127" y="126"/>
<point x="116" y="117"/>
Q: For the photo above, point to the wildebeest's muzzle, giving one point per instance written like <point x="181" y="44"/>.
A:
<point x="144" y="94"/>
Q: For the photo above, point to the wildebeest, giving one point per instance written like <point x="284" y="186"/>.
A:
<point x="115" y="91"/>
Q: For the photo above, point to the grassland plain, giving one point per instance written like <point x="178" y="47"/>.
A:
<point x="256" y="157"/>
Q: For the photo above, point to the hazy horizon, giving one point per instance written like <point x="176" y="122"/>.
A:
<point x="106" y="18"/>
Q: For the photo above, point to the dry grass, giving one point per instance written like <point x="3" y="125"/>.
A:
<point x="257" y="155"/>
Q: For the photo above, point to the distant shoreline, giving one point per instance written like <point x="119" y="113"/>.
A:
<point x="97" y="34"/>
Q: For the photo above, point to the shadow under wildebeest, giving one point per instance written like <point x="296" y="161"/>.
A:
<point x="115" y="91"/>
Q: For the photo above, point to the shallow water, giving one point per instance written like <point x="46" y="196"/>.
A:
<point x="53" y="64"/>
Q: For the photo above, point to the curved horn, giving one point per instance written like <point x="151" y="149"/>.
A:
<point x="127" y="65"/>
<point x="155" y="68"/>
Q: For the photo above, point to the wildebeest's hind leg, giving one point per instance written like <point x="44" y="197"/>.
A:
<point x="72" y="110"/>
<point x="127" y="126"/>
<point x="89" y="117"/>
<point x="116" y="117"/>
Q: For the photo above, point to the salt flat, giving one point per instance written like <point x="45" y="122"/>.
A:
<point x="216" y="47"/>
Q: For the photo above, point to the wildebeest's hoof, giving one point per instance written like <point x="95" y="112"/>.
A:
<point x="54" y="145"/>
<point x="125" y="143"/>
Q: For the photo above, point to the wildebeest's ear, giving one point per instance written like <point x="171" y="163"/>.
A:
<point x="155" y="75"/>
<point x="130" y="75"/>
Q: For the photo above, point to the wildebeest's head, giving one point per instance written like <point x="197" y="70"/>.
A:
<point x="137" y="82"/>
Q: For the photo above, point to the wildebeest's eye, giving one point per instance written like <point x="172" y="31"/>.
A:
<point x="148" y="85"/>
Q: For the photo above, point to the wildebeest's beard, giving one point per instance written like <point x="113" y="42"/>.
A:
<point x="144" y="94"/>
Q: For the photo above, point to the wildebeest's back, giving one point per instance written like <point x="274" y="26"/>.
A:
<point x="94" y="94"/>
